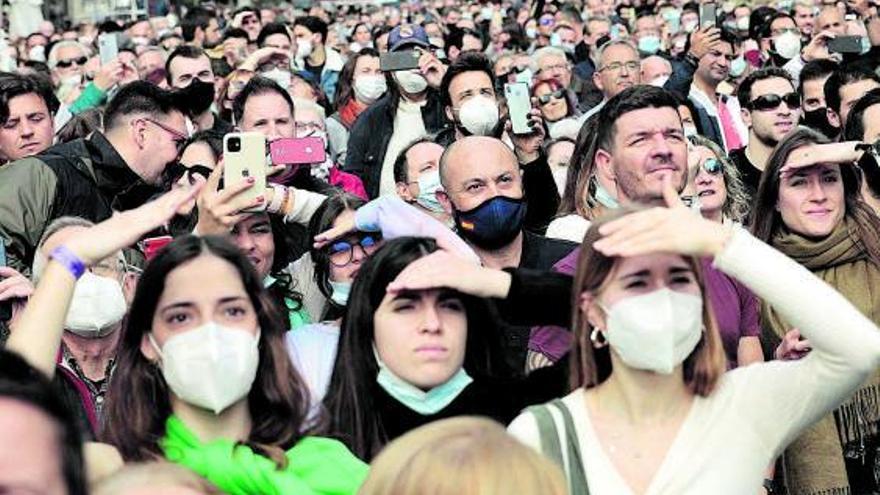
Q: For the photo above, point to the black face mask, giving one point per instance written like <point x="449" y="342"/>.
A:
<point x="818" y="120"/>
<point x="197" y="97"/>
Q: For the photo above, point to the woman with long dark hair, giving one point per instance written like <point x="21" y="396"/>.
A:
<point x="360" y="84"/>
<point x="809" y="206"/>
<point x="411" y="357"/>
<point x="203" y="378"/>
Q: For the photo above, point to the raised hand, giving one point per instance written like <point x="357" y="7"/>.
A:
<point x="673" y="229"/>
<point x="814" y="154"/>
<point x="442" y="269"/>
<point x="220" y="210"/>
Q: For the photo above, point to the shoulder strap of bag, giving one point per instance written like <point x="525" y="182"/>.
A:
<point x="551" y="447"/>
<point x="576" y="475"/>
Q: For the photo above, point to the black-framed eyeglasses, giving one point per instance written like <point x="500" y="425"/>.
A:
<point x="64" y="64"/>
<point x="556" y="95"/>
<point x="764" y="103"/>
<point x="632" y="65"/>
<point x="342" y="251"/>
<point x="712" y="166"/>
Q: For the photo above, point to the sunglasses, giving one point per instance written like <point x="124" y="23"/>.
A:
<point x="67" y="63"/>
<point x="712" y="166"/>
<point x="772" y="102"/>
<point x="342" y="251"/>
<point x="556" y="95"/>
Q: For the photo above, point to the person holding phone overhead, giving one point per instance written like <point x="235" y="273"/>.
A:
<point x="410" y="109"/>
<point x="809" y="206"/>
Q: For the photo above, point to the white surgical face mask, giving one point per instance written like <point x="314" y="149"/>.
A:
<point x="656" y="331"/>
<point x="369" y="88"/>
<point x="280" y="76"/>
<point x="531" y="33"/>
<point x="98" y="304"/>
<point x="689" y="26"/>
<point x="72" y="80"/>
<point x="211" y="366"/>
<point x="738" y="66"/>
<point x="787" y="45"/>
<point x="658" y="82"/>
<point x="479" y="115"/>
<point x="411" y="82"/>
<point x="303" y="48"/>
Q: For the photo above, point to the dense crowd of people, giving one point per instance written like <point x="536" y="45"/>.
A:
<point x="447" y="247"/>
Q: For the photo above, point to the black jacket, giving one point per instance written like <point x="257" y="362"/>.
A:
<point x="372" y="131"/>
<point x="84" y="178"/>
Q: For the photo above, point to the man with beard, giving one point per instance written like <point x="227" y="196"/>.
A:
<point x="770" y="108"/>
<point x="200" y="28"/>
<point x="483" y="193"/>
<point x="467" y="92"/>
<point x="719" y="115"/>
<point x="117" y="169"/>
<point x="189" y="71"/>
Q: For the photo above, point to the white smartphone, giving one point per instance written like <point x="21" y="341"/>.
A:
<point x="108" y="47"/>
<point x="244" y="156"/>
<point x="518" y="106"/>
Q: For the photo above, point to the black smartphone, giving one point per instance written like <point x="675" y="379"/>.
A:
<point x="845" y="44"/>
<point x="708" y="17"/>
<point x="5" y="306"/>
<point x="394" y="61"/>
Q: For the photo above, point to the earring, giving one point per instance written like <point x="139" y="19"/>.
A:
<point x="598" y="342"/>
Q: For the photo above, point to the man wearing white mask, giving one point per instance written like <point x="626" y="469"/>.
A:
<point x="94" y="319"/>
<point x="410" y="109"/>
<point x="313" y="55"/>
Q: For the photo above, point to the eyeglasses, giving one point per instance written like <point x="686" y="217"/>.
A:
<point x="64" y="64"/>
<point x="712" y="166"/>
<point x="556" y="95"/>
<point x="632" y="65"/>
<point x="772" y="102"/>
<point x="307" y="128"/>
<point x="178" y="137"/>
<point x="342" y="252"/>
<point x="554" y="68"/>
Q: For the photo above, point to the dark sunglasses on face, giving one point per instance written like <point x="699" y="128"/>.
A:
<point x="772" y="102"/>
<point x="545" y="99"/>
<point x="342" y="251"/>
<point x="712" y="166"/>
<point x="67" y="63"/>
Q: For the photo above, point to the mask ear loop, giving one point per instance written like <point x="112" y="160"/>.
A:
<point x="597" y="337"/>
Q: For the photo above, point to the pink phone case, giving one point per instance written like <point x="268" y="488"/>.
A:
<point x="297" y="151"/>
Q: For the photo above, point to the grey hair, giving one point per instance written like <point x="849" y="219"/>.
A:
<point x="736" y="207"/>
<point x="152" y="48"/>
<point x="608" y="44"/>
<point x="542" y="53"/>
<point x="57" y="225"/>
<point x="594" y="18"/>
<point x="52" y="59"/>
<point x="300" y="103"/>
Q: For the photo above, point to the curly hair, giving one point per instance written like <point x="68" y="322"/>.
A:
<point x="736" y="206"/>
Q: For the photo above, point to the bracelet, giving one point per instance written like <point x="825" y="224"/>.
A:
<point x="70" y="260"/>
<point x="278" y="198"/>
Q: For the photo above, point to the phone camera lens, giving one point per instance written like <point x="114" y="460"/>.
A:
<point x="234" y="144"/>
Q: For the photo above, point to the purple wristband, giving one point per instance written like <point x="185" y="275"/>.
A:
<point x="70" y="261"/>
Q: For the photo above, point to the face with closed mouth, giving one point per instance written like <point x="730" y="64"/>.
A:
<point x="708" y="186"/>
<point x="811" y="200"/>
<point x="421" y="335"/>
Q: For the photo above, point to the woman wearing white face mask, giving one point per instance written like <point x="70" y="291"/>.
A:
<point x="360" y="84"/>
<point x="203" y="380"/>
<point x="653" y="411"/>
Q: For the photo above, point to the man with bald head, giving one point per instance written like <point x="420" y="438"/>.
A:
<point x="655" y="70"/>
<point x="483" y="193"/>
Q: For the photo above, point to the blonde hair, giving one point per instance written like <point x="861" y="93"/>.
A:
<point x="462" y="456"/>
<point x="153" y="475"/>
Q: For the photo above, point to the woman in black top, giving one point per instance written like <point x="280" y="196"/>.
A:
<point x="412" y="357"/>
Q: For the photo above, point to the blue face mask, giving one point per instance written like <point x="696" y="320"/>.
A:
<point x="649" y="44"/>
<point x="340" y="292"/>
<point x="422" y="402"/>
<point x="605" y="198"/>
<point x="494" y="223"/>
<point x="429" y="184"/>
<point x="737" y="66"/>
